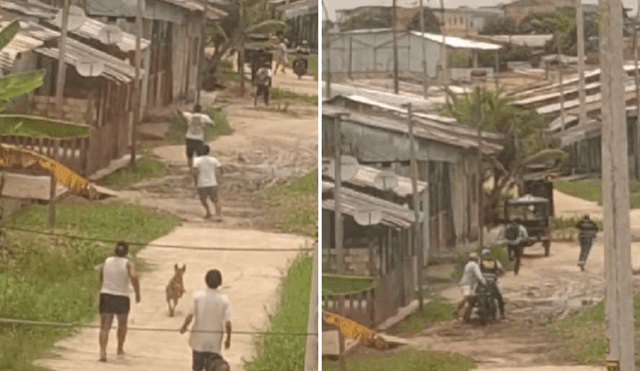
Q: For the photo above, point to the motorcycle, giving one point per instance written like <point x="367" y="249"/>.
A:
<point x="486" y="304"/>
<point x="300" y="66"/>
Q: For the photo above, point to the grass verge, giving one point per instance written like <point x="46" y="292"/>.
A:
<point x="178" y="127"/>
<point x="146" y="167"/>
<point x="436" y="310"/>
<point x="284" y="95"/>
<point x="284" y="352"/>
<point x="583" y="335"/>
<point x="46" y="278"/>
<point x="591" y="190"/>
<point x="294" y="205"/>
<point x="412" y="360"/>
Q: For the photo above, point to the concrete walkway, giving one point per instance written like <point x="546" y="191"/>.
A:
<point x="250" y="280"/>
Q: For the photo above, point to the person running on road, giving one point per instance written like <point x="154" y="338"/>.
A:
<point x="211" y="311"/>
<point x="587" y="232"/>
<point x="115" y="274"/>
<point x="281" y="56"/>
<point x="515" y="235"/>
<point x="470" y="278"/>
<point x="263" y="82"/>
<point x="207" y="171"/>
<point x="196" y="122"/>
<point x="491" y="269"/>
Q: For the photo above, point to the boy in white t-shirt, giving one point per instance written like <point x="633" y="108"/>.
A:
<point x="207" y="171"/>
<point x="196" y="123"/>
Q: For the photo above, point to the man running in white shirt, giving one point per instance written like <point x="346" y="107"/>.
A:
<point x="207" y="171"/>
<point x="115" y="274"/>
<point x="196" y="122"/>
<point x="212" y="313"/>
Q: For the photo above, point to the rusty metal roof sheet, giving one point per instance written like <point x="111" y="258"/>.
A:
<point x="393" y="215"/>
<point x="23" y="42"/>
<point x="197" y="6"/>
<point x="115" y="69"/>
<point x="91" y="28"/>
<point x="421" y="131"/>
<point x="34" y="10"/>
<point x="366" y="176"/>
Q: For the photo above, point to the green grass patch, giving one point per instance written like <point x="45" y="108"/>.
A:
<point x="146" y="167"/>
<point x="178" y="127"/>
<point x="294" y="205"/>
<point x="411" y="360"/>
<point x="591" y="190"/>
<point x="436" y="310"/>
<point x="47" y="278"/>
<point x="286" y="353"/>
<point x="337" y="284"/>
<point x="583" y="335"/>
<point x="285" y="95"/>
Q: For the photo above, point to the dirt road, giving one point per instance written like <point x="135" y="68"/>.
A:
<point x="267" y="146"/>
<point x="547" y="289"/>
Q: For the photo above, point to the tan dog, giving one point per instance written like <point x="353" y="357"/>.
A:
<point x="175" y="288"/>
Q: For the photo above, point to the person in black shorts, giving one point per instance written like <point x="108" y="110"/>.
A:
<point x="195" y="134"/>
<point x="115" y="274"/>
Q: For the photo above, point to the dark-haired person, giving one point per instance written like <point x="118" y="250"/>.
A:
<point x="115" y="274"/>
<point x="207" y="171"/>
<point x="211" y="313"/>
<point x="196" y="122"/>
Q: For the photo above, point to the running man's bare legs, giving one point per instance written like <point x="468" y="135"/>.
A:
<point x="122" y="331"/>
<point x="105" y="326"/>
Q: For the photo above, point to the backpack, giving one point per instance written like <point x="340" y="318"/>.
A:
<point x="512" y="232"/>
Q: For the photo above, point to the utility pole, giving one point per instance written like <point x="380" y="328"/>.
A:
<point x="560" y="80"/>
<point x="479" y="117"/>
<point x="444" y="52"/>
<point x="425" y="86"/>
<point x="416" y="205"/>
<point x="615" y="191"/>
<point x="203" y="39"/>
<point x="637" y="75"/>
<point x="394" y="24"/>
<point x="61" y="59"/>
<point x="582" y="92"/>
<point x="241" y="51"/>
<point x="337" y="192"/>
<point x="311" y="353"/>
<point x="136" y="85"/>
<point x="327" y="36"/>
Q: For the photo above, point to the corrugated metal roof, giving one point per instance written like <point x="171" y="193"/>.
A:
<point x="458" y="42"/>
<point x="366" y="176"/>
<point x="34" y="10"/>
<point x="393" y="215"/>
<point x="420" y="131"/>
<point x="115" y="69"/>
<point x="91" y="28"/>
<point x="198" y="6"/>
<point x="23" y="41"/>
<point x="533" y="41"/>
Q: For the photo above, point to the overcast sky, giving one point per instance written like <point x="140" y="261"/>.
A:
<point x="332" y="5"/>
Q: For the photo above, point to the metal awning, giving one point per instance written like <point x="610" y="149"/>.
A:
<point x="115" y="69"/>
<point x="366" y="176"/>
<point x="457" y="42"/>
<point x="393" y="215"/>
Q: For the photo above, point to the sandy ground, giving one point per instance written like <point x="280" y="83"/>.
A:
<point x="249" y="279"/>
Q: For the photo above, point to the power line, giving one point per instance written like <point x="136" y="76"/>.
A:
<point x="213" y="248"/>
<point x="151" y="329"/>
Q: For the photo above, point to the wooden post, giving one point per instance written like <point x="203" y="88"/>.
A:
<point x="425" y="86"/>
<point x="311" y="353"/>
<point x="350" y="56"/>
<point x="581" y="82"/>
<point x="61" y="58"/>
<point x="52" y="200"/>
<point x="560" y="81"/>
<point x="201" y="60"/>
<point x="394" y="22"/>
<point x="416" y="205"/>
<point x="327" y="36"/>
<point x="497" y="69"/>
<point x="241" y="51"/>
<point x="615" y="191"/>
<point x="637" y="81"/>
<point x="341" y="358"/>
<point x="480" y="177"/>
<point x="445" y="76"/>
<point x="136" y="85"/>
<point x="337" y="194"/>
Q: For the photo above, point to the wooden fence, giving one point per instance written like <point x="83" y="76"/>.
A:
<point x="72" y="152"/>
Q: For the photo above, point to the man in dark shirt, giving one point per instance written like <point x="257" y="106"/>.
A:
<point x="587" y="232"/>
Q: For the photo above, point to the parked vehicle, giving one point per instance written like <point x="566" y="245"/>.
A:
<point x="535" y="215"/>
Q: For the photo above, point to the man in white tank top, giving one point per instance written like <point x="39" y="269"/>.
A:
<point x="115" y="274"/>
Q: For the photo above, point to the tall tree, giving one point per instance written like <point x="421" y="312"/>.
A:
<point x="522" y="129"/>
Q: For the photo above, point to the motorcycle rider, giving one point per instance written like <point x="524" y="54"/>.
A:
<point x="491" y="269"/>
<point x="515" y="235"/>
<point x="470" y="278"/>
<point x="300" y="63"/>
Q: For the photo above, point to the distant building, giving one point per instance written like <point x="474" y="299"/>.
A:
<point x="465" y="21"/>
<point x="521" y="9"/>
<point x="403" y="15"/>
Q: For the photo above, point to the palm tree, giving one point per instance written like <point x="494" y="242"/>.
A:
<point x="523" y="143"/>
